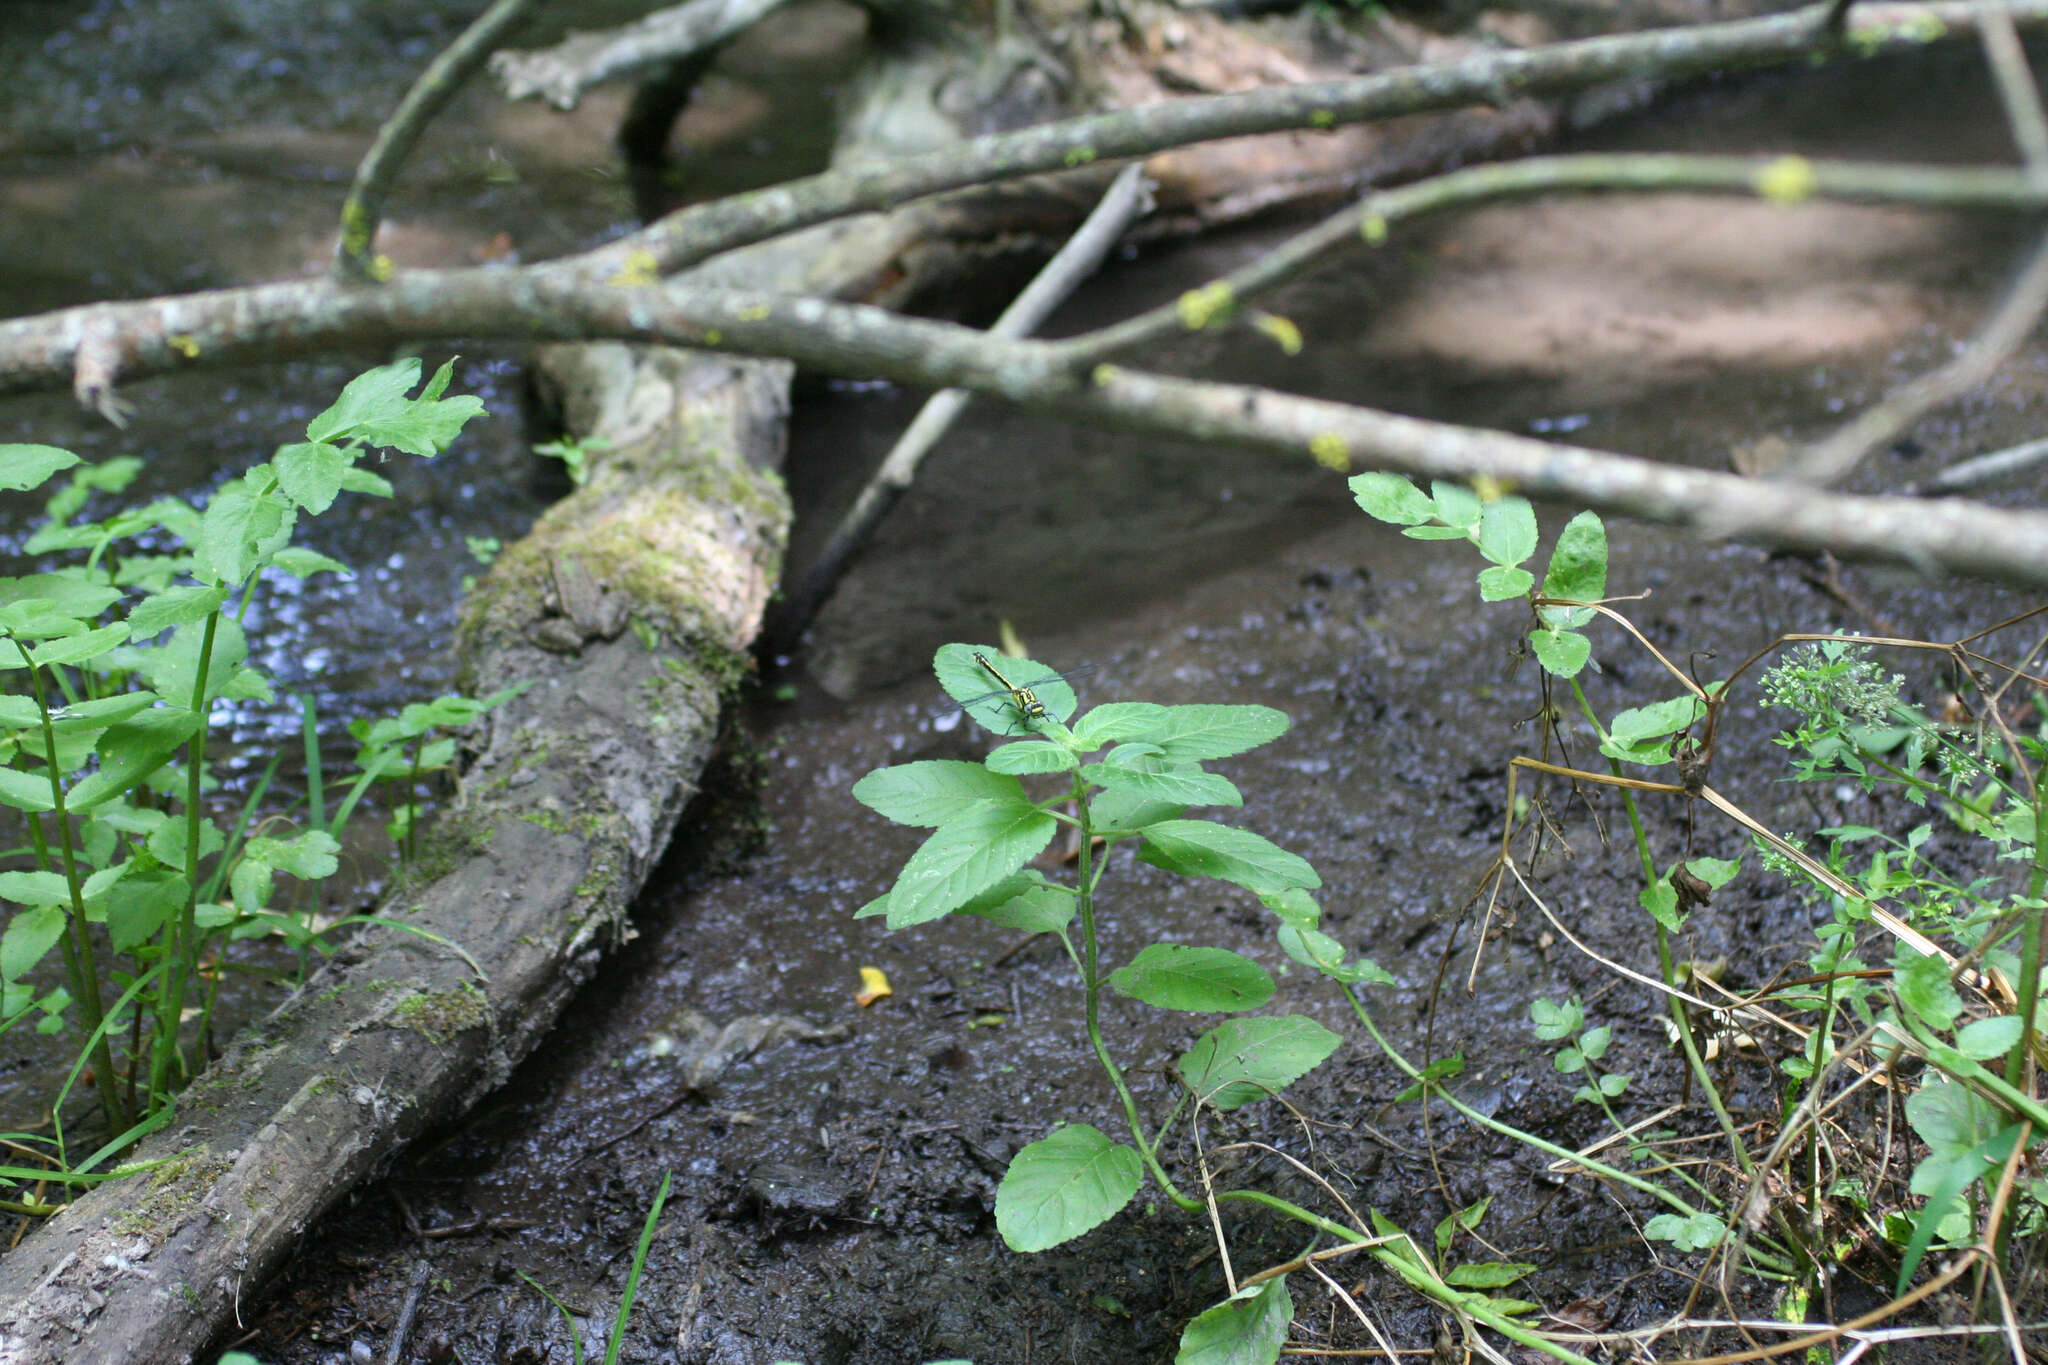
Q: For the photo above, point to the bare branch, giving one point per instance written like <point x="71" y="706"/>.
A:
<point x="272" y="321"/>
<point x="1369" y="220"/>
<point x="2017" y="316"/>
<point x="360" y="213"/>
<point x="1127" y="198"/>
<point x="692" y="234"/>
<point x="560" y="74"/>
<point x="1982" y="469"/>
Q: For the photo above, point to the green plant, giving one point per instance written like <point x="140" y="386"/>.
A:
<point x="574" y="455"/>
<point x="1976" y="1109"/>
<point x="1129" y="772"/>
<point x="118" y="665"/>
<point x="617" y="1337"/>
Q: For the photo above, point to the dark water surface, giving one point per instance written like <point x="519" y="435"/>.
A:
<point x="832" y="1197"/>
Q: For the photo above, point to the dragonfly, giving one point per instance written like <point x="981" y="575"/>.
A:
<point x="1023" y="696"/>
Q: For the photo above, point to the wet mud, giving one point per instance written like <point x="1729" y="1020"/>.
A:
<point x="834" y="1165"/>
<point x="832" y="1190"/>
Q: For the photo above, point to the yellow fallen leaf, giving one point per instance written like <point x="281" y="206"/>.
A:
<point x="873" y="986"/>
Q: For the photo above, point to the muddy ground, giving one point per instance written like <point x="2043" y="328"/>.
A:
<point x="831" y="1198"/>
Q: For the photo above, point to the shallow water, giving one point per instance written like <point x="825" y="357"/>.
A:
<point x="832" y="1197"/>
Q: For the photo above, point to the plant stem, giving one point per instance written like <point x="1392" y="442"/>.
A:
<point x="185" y="930"/>
<point x="1091" y="986"/>
<point x="76" y="941"/>
<point x="2030" y="947"/>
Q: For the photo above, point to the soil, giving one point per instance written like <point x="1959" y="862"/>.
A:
<point x="831" y="1197"/>
<point x="833" y="1176"/>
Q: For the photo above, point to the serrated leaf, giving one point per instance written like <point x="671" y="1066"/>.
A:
<point x="74" y="649"/>
<point x="1578" y="570"/>
<point x="310" y="473"/>
<point x="1174" y="976"/>
<point x="24" y="466"/>
<point x="1030" y="756"/>
<point x="174" y="607"/>
<point x="933" y="791"/>
<point x="1241" y="1060"/>
<point x="1392" y="498"/>
<point x="1248" y="1328"/>
<point x="966" y="856"/>
<point x="239" y="531"/>
<point x="1116" y="722"/>
<point x="979" y="687"/>
<point x="130" y="752"/>
<point x="25" y="791"/>
<point x="1181" y="787"/>
<point x="1025" y="902"/>
<point x="1660" y="898"/>
<point x="1456" y="505"/>
<point x="1202" y="848"/>
<point x="1195" y="734"/>
<point x="35" y="888"/>
<point x="1064" y="1185"/>
<point x="30" y="934"/>
<point x="1561" y="652"/>
<point x="300" y="562"/>
<point x="1696" y="1233"/>
<point x="139" y="906"/>
<point x="1499" y="583"/>
<point x="1507" y="532"/>
<point x="1985" y="1038"/>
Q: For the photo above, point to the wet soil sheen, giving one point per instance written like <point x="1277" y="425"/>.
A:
<point x="834" y="1166"/>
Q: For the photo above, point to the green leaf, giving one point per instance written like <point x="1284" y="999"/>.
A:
<point x="1248" y="1328"/>
<point x="1392" y="498"/>
<point x="67" y="592"/>
<point x="933" y="791"/>
<point x="1700" y="1232"/>
<point x="1632" y="734"/>
<point x="24" y="466"/>
<point x="130" y="752"/>
<point x="1435" y="533"/>
<point x="310" y="473"/>
<point x="1507" y="534"/>
<point x="1184" y="734"/>
<point x="25" y="791"/>
<point x="1030" y="756"/>
<point x="1660" y="898"/>
<point x="1311" y="947"/>
<point x="1715" y="872"/>
<point x="74" y="649"/>
<point x="1561" y="652"/>
<point x="1985" y="1038"/>
<point x="967" y="856"/>
<point x="139" y="906"/>
<point x="30" y="934"/>
<point x="157" y="613"/>
<point x="374" y="409"/>
<point x="1578" y="570"/>
<point x="1175" y="976"/>
<point x="1457" y="505"/>
<point x="1117" y="721"/>
<point x="1025" y="902"/>
<point x="1241" y="1060"/>
<point x="361" y="480"/>
<point x="980" y="691"/>
<point x="1062" y="1186"/>
<point x="239" y="532"/>
<point x="19" y="713"/>
<point x="1202" y="848"/>
<point x="35" y="888"/>
<point x="1487" y="1274"/>
<point x="300" y="562"/>
<point x="1923" y="985"/>
<point x="1182" y="787"/>
<point x="1500" y="583"/>
<point x="1123" y="812"/>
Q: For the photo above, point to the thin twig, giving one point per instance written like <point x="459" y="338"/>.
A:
<point x="560" y="74"/>
<point x="1833" y="458"/>
<point x="354" y="254"/>
<point x="402" y="1329"/>
<point x="1129" y="197"/>
<point x="1980" y="469"/>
